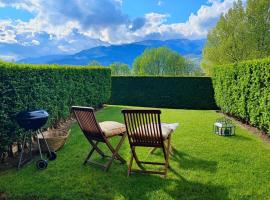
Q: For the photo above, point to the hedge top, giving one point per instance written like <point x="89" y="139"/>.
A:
<point x="152" y="76"/>
<point x="50" y="66"/>
<point x="256" y="62"/>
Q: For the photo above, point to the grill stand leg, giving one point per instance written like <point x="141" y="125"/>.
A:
<point x="21" y="155"/>
<point x="45" y="142"/>
<point x="31" y="152"/>
<point x="39" y="148"/>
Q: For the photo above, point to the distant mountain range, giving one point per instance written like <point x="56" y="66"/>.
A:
<point x="125" y="53"/>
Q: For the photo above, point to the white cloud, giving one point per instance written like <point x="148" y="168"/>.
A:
<point x="64" y="26"/>
<point x="35" y="42"/>
<point x="7" y="33"/>
<point x="29" y="5"/>
<point x="196" y="27"/>
<point x="160" y="3"/>
<point x="199" y="24"/>
<point x="156" y="19"/>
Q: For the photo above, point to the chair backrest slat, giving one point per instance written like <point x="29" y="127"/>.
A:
<point x="154" y="125"/>
<point x="143" y="127"/>
<point x="88" y="123"/>
<point x="140" y="133"/>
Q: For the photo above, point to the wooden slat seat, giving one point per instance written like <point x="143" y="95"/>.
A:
<point x="99" y="132"/>
<point x="144" y="129"/>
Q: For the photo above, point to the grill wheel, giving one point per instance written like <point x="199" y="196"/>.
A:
<point x="42" y="164"/>
<point x="52" y="155"/>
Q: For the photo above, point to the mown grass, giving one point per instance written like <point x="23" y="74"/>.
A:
<point x="204" y="166"/>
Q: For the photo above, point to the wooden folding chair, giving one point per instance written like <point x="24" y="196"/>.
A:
<point x="99" y="132"/>
<point x="144" y="130"/>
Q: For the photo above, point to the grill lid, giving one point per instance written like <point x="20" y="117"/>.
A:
<point x="32" y="120"/>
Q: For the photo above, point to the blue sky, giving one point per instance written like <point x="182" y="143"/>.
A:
<point x="15" y="14"/>
<point x="179" y="10"/>
<point x="43" y="27"/>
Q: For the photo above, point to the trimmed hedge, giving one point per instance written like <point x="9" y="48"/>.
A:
<point x="243" y="90"/>
<point x="51" y="87"/>
<point x="168" y="92"/>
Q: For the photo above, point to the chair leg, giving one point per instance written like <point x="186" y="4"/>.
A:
<point x="109" y="163"/>
<point x="136" y="158"/>
<point x="167" y="156"/>
<point x="115" y="150"/>
<point x="171" y="149"/>
<point x="130" y="164"/>
<point x="153" y="150"/>
<point x="139" y="163"/>
<point x="98" y="150"/>
<point x="115" y="154"/>
<point x="89" y="155"/>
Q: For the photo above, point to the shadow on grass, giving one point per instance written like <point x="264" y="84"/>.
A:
<point x="155" y="187"/>
<point x="192" y="163"/>
<point x="239" y="137"/>
<point x="193" y="190"/>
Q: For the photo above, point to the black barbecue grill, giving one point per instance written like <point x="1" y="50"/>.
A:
<point x="32" y="121"/>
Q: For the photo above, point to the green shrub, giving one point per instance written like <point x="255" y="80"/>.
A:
<point x="243" y="90"/>
<point x="169" y="92"/>
<point x="51" y="87"/>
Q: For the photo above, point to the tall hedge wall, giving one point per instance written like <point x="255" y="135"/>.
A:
<point x="51" y="87"/>
<point x="169" y="92"/>
<point x="243" y="90"/>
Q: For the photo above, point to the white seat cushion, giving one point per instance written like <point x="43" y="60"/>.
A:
<point x="111" y="128"/>
<point x="166" y="131"/>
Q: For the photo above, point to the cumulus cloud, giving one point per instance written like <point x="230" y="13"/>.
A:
<point x="196" y="27"/>
<point x="7" y="33"/>
<point x="137" y="23"/>
<point x="90" y="13"/>
<point x="20" y="44"/>
<point x="68" y="26"/>
<point x="199" y="24"/>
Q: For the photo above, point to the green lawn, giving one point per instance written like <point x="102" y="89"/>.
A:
<point x="204" y="166"/>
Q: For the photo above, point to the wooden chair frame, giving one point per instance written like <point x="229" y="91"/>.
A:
<point x="90" y="127"/>
<point x="144" y="130"/>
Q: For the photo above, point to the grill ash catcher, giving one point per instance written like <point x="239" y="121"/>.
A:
<point x="32" y="121"/>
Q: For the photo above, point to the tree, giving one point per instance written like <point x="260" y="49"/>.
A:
<point x="258" y="24"/>
<point x="160" y="61"/>
<point x="119" y="69"/>
<point x="241" y="34"/>
<point x="94" y="63"/>
<point x="224" y="43"/>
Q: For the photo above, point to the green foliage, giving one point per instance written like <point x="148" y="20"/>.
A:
<point x="243" y="90"/>
<point x="161" y="61"/>
<point x="242" y="34"/>
<point x="94" y="63"/>
<point x="51" y="87"/>
<point x="168" y="92"/>
<point x="119" y="69"/>
<point x="258" y="23"/>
